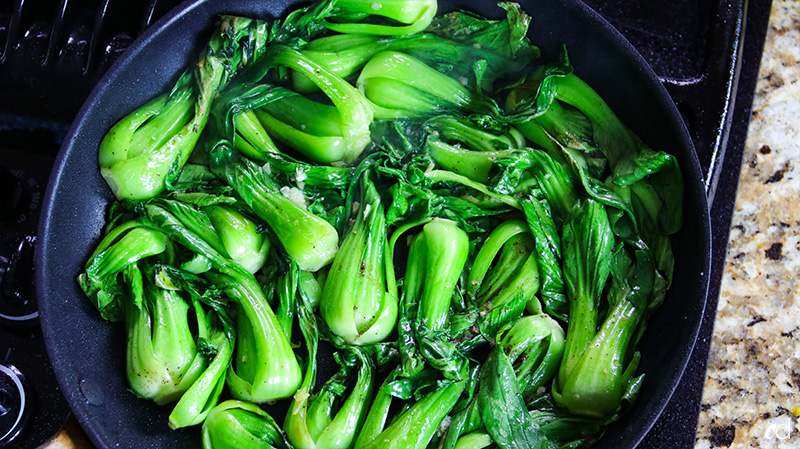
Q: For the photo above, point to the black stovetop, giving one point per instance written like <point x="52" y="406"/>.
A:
<point x="53" y="52"/>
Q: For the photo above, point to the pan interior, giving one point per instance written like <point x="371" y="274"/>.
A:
<point x="88" y="353"/>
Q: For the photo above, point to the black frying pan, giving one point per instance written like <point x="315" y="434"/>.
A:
<point x="88" y="353"/>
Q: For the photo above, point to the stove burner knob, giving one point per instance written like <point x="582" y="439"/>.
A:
<point x="17" y="303"/>
<point x="15" y="199"/>
<point x="14" y="404"/>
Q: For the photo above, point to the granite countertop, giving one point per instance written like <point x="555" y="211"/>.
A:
<point x="752" y="391"/>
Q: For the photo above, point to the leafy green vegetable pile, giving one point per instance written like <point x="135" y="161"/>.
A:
<point x="472" y="230"/>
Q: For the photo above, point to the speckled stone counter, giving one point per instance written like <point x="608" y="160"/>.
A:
<point x="752" y="389"/>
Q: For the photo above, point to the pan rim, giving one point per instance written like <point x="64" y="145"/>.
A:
<point x="691" y="171"/>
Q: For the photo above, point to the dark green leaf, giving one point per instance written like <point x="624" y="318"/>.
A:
<point x="503" y="410"/>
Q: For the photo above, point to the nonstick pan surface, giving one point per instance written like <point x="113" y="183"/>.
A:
<point x="88" y="353"/>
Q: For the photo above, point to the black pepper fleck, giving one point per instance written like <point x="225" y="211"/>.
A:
<point x="722" y="436"/>
<point x="756" y="320"/>
<point x="774" y="251"/>
<point x="765" y="149"/>
<point x="777" y="176"/>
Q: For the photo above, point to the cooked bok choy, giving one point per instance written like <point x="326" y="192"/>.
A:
<point x="330" y="134"/>
<point x="332" y="417"/>
<point x="534" y="345"/>
<point x="399" y="85"/>
<point x="505" y="270"/>
<point x="400" y="17"/>
<point x="199" y="399"/>
<point x="122" y="247"/>
<point x="143" y="153"/>
<point x="307" y="238"/>
<point x="161" y="347"/>
<point x="477" y="276"/>
<point x="240" y="236"/>
<point x="417" y="422"/>
<point x="265" y="367"/>
<point x="461" y="147"/>
<point x="241" y="425"/>
<point x="436" y="259"/>
<point x="359" y="299"/>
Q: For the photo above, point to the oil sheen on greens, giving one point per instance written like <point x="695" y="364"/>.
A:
<point x="462" y="233"/>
